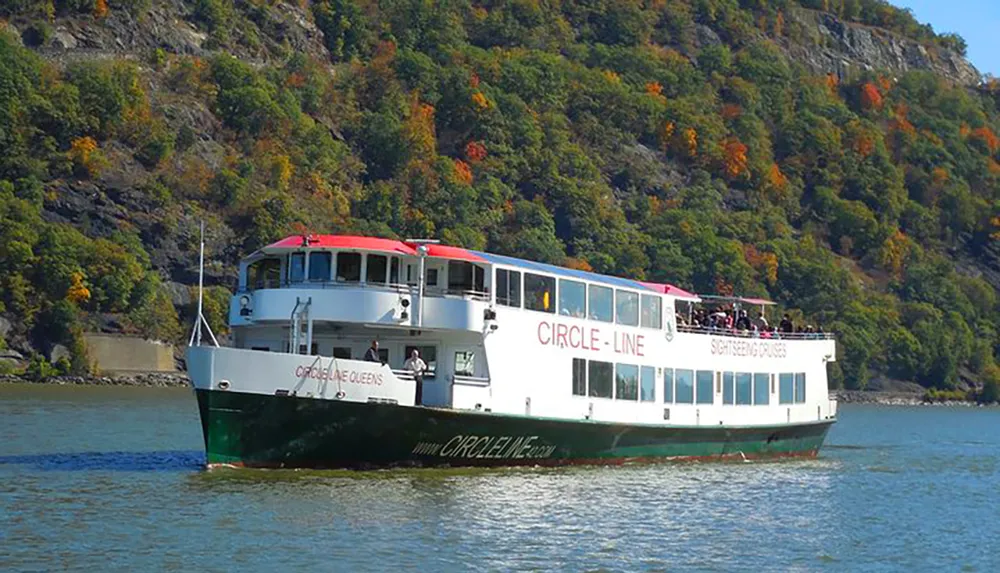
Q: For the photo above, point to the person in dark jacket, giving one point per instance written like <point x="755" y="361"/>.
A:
<point x="786" y="324"/>
<point x="372" y="354"/>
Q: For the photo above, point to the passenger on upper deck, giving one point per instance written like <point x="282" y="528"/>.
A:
<point x="786" y="325"/>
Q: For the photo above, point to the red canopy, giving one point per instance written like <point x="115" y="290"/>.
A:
<point x="671" y="290"/>
<point x="296" y="242"/>
<point x="457" y="253"/>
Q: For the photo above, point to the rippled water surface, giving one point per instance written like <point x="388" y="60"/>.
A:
<point x="109" y="479"/>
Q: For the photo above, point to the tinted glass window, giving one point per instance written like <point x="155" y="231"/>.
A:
<point x="319" y="266"/>
<point x="600" y="376"/>
<point x="349" y="267"/>
<point x="572" y="298"/>
<point x="786" y="388"/>
<point x="647" y="384"/>
<point x="626" y="382"/>
<point x="800" y="388"/>
<point x="706" y="390"/>
<point x="508" y="288"/>
<point x="601" y="303"/>
<point x="744" y="388"/>
<point x="539" y="291"/>
<point x="579" y="377"/>
<point x="728" y="388"/>
<point x="652" y="311"/>
<point x="394" y="271"/>
<point x="668" y="385"/>
<point x="464" y="277"/>
<point x="684" y="386"/>
<point x="297" y="267"/>
<point x="432" y="277"/>
<point x="377" y="267"/>
<point x="465" y="363"/>
<point x="627" y="308"/>
<point x="761" y="387"/>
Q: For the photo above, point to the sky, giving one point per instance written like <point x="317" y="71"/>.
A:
<point x="978" y="21"/>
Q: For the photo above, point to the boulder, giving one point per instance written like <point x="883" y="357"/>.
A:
<point x="58" y="352"/>
<point x="5" y="327"/>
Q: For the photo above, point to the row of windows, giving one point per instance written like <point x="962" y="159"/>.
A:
<point x="578" y="299"/>
<point x="680" y="386"/>
<point x="349" y="268"/>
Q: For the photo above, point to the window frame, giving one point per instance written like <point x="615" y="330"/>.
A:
<point x="647" y="380"/>
<point x="704" y="380"/>
<point x="668" y="385"/>
<point x="563" y="283"/>
<point x="610" y="366"/>
<point x="591" y="288"/>
<point x="689" y="386"/>
<point x="508" y="300"/>
<point x="623" y="304"/>
<point x="761" y="379"/>
<point x="310" y="266"/>
<point x="729" y="388"/>
<point x="656" y="324"/>
<point x="623" y="383"/>
<point x="749" y="388"/>
<point x="339" y="266"/>
<point x="579" y="384"/>
<point x="546" y="280"/>
<point x="368" y="268"/>
<point x="786" y="394"/>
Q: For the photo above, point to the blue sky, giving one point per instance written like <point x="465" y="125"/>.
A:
<point x="978" y="21"/>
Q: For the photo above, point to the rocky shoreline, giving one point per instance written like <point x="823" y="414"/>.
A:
<point x="145" y="379"/>
<point x="891" y="399"/>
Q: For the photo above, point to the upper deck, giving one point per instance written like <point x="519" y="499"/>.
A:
<point x="374" y="281"/>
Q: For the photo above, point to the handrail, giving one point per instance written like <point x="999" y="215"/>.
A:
<point x="435" y="292"/>
<point x="469" y="380"/>
<point x="708" y="330"/>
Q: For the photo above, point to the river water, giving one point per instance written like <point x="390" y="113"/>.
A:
<point x="109" y="479"/>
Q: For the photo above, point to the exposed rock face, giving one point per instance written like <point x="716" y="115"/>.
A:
<point x="841" y="48"/>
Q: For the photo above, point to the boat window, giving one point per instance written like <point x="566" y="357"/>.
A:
<point x="761" y="387"/>
<point x="728" y="388"/>
<point x="599" y="376"/>
<point x="508" y="288"/>
<point x="465" y="363"/>
<point x="706" y="388"/>
<point x="626" y="382"/>
<point x="377" y="266"/>
<point x="314" y="349"/>
<point x="744" y="393"/>
<point x="786" y="385"/>
<point x="342" y="352"/>
<point x="579" y="377"/>
<point x="465" y="277"/>
<point x="383" y="355"/>
<point x="265" y="273"/>
<point x="647" y="384"/>
<point x="394" y="271"/>
<point x="319" y="265"/>
<point x="627" y="307"/>
<point x="297" y="268"/>
<point x="800" y="388"/>
<point x="668" y="385"/>
<point x="652" y="311"/>
<point x="684" y="386"/>
<point x="431" y="278"/>
<point x="572" y="298"/>
<point x="600" y="301"/>
<point x="428" y="354"/>
<point x="349" y="267"/>
<point x="539" y="291"/>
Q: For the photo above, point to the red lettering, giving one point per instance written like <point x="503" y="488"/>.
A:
<point x="548" y="335"/>
<point x="561" y="335"/>
<point x="579" y="332"/>
<point x="595" y="339"/>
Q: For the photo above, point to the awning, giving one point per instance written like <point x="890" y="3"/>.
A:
<point x="298" y="242"/>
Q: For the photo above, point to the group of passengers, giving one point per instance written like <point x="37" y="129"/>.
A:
<point x="738" y="321"/>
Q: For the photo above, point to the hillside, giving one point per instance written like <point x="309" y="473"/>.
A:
<point x="834" y="155"/>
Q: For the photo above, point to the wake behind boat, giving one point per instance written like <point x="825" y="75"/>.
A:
<point x="518" y="363"/>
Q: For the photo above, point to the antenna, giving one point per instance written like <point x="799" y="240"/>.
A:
<point x="200" y="319"/>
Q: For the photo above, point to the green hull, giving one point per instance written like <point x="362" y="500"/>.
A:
<point x="278" y="431"/>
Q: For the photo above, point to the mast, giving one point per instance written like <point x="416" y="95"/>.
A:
<point x="422" y="251"/>
<point x="195" y="339"/>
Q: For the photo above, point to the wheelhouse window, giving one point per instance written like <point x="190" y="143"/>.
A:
<point x="579" y="377"/>
<point x="651" y="311"/>
<point x="297" y="267"/>
<point x="572" y="298"/>
<point x="706" y="390"/>
<point x="539" y="292"/>
<point x="786" y="388"/>
<point x="431" y="277"/>
<point x="761" y="388"/>
<point x="647" y="384"/>
<point x="394" y="271"/>
<point x="600" y="377"/>
<point x="319" y="265"/>
<point x="627" y="307"/>
<point x="668" y="385"/>
<point x="600" y="301"/>
<point x="728" y="388"/>
<point x="377" y="267"/>
<point x="465" y="277"/>
<point x="265" y="273"/>
<point x="428" y="354"/>
<point x="349" y="267"/>
<point x="744" y="389"/>
<point x="508" y="287"/>
<point x="800" y="388"/>
<point x="684" y="386"/>
<point x="626" y="382"/>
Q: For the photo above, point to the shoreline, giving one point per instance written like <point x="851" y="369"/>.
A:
<point x="894" y="399"/>
<point x="138" y="379"/>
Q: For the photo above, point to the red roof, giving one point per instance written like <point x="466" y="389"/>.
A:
<point x="671" y="290"/>
<point x="295" y="242"/>
<point x="446" y="252"/>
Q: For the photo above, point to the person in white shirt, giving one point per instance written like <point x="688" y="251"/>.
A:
<point x="417" y="366"/>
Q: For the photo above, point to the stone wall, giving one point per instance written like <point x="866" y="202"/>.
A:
<point x="123" y="354"/>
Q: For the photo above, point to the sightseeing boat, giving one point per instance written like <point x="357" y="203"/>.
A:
<point x="526" y="364"/>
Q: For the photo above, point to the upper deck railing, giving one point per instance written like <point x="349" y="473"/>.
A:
<point x="429" y="291"/>
<point x="766" y="335"/>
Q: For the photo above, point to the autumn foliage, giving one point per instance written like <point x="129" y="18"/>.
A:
<point x="734" y="157"/>
<point x="475" y="151"/>
<point x="871" y="99"/>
